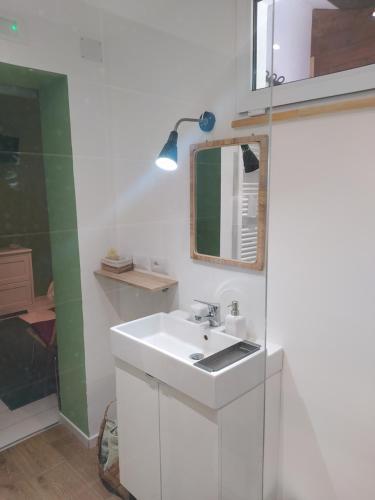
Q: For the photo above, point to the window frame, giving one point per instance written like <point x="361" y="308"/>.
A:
<point x="248" y="100"/>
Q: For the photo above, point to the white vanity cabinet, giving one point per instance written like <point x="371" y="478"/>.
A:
<point x="172" y="447"/>
<point x="189" y="437"/>
<point x="138" y="424"/>
<point x="186" y="432"/>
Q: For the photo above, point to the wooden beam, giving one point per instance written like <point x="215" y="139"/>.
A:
<point x="295" y="114"/>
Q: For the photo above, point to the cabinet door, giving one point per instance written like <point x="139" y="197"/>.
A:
<point x="138" y="426"/>
<point x="189" y="448"/>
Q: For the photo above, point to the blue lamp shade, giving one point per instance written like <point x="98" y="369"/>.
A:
<point x="167" y="159"/>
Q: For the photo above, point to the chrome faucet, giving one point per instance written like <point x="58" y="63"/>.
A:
<point x="213" y="315"/>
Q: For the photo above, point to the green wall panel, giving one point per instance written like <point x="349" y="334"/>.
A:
<point x="60" y="195"/>
<point x="208" y="200"/>
<point x="65" y="252"/>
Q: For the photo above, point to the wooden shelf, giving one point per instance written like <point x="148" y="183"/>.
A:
<point x="305" y="112"/>
<point x="141" y="279"/>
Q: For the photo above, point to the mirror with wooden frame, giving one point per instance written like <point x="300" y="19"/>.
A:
<point x="228" y="196"/>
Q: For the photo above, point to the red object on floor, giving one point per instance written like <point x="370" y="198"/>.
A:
<point x="45" y="331"/>
<point x="42" y="326"/>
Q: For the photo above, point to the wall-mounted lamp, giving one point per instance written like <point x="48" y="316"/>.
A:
<point x="250" y="161"/>
<point x="167" y="159"/>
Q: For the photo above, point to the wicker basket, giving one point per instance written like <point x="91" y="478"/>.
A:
<point x="111" y="476"/>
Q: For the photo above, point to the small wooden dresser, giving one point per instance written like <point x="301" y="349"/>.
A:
<point x="16" y="280"/>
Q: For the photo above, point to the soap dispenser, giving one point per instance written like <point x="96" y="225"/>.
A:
<point x="234" y="323"/>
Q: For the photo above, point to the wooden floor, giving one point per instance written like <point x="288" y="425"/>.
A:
<point x="52" y="465"/>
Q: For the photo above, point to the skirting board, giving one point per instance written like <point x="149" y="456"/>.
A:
<point x="88" y="441"/>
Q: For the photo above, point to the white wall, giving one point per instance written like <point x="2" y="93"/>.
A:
<point x="321" y="303"/>
<point x="164" y="64"/>
<point x="180" y="76"/>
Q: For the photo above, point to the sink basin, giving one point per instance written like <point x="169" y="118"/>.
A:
<point x="176" y="337"/>
<point x="167" y="348"/>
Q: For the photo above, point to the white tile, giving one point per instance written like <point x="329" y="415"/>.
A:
<point x="177" y="18"/>
<point x="53" y="46"/>
<point x="78" y="15"/>
<point x="36" y="421"/>
<point x="141" y="121"/>
<point x="9" y="417"/>
<point x="89" y="118"/>
<point x="36" y="407"/>
<point x="42" y="8"/>
<point x="94" y="183"/>
<point x="100" y="392"/>
<point x="94" y="244"/>
<point x="147" y="195"/>
<point x="175" y="67"/>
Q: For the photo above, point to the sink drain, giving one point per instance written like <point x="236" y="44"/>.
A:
<point x="196" y="356"/>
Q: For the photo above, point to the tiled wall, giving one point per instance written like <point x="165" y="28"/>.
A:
<point x="161" y="62"/>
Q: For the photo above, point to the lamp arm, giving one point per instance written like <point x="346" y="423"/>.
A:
<point x="185" y="120"/>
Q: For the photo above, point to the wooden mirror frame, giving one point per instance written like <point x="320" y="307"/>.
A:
<point x="262" y="140"/>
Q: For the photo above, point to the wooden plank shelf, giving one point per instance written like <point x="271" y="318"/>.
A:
<point x="305" y="112"/>
<point x="146" y="280"/>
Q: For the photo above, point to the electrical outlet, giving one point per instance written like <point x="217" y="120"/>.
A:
<point x="159" y="265"/>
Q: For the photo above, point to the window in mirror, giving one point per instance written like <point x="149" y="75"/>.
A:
<point x="228" y="201"/>
<point x="311" y="38"/>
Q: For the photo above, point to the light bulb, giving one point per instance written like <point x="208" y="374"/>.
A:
<point x="166" y="163"/>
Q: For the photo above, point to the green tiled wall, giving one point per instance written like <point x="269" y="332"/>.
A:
<point x="58" y="164"/>
<point x="65" y="253"/>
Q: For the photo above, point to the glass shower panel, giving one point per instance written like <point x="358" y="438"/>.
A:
<point x="105" y="85"/>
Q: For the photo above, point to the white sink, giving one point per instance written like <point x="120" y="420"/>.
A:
<point x="161" y="345"/>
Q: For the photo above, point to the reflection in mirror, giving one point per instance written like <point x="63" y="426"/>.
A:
<point x="229" y="201"/>
<point x="311" y="38"/>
